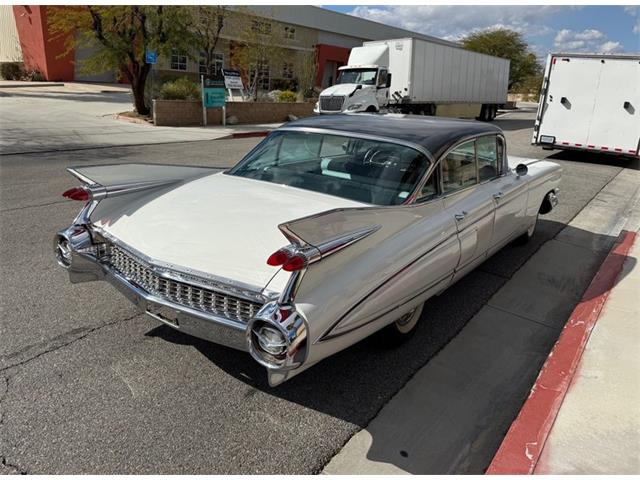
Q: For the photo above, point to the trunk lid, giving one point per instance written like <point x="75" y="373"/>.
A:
<point x="220" y="224"/>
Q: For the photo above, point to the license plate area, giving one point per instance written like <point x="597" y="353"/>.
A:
<point x="164" y="314"/>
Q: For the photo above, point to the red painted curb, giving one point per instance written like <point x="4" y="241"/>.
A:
<point x="261" y="133"/>
<point x="521" y="448"/>
<point x="141" y="121"/>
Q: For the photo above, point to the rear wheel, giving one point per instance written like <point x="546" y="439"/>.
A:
<point x="402" y="329"/>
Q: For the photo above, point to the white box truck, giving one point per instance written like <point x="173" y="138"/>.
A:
<point x="590" y="102"/>
<point x="410" y="75"/>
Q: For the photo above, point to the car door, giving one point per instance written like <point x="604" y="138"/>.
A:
<point x="509" y="192"/>
<point x="470" y="203"/>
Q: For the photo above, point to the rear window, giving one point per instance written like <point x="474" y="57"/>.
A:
<point x="369" y="171"/>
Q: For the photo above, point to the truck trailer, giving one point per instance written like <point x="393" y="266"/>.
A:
<point x="591" y="103"/>
<point x="410" y="75"/>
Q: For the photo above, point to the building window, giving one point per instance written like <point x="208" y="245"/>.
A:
<point x="287" y="71"/>
<point x="290" y="32"/>
<point x="260" y="26"/>
<point x="218" y="63"/>
<point x="178" y="60"/>
<point x="263" y="74"/>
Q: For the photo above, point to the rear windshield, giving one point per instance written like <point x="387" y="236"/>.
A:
<point x="368" y="171"/>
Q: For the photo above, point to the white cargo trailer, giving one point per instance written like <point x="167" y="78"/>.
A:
<point x="590" y="102"/>
<point x="418" y="76"/>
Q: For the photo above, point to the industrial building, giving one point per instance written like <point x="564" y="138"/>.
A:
<point x="306" y="29"/>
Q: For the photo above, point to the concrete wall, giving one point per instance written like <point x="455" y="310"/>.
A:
<point x="180" y="113"/>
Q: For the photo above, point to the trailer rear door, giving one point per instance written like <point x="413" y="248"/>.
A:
<point x="571" y="95"/>
<point x="615" y="123"/>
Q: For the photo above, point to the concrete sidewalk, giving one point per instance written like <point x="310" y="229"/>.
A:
<point x="82" y="116"/>
<point x="452" y="415"/>
<point x="597" y="430"/>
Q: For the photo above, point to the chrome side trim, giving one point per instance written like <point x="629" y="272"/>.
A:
<point x="330" y="336"/>
<point x="327" y="333"/>
<point x="100" y="192"/>
<point x="336" y="244"/>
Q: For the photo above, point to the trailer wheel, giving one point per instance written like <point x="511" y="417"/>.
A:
<point x="483" y="113"/>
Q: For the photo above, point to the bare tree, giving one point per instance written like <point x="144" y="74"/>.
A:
<point x="207" y="23"/>
<point x="259" y="47"/>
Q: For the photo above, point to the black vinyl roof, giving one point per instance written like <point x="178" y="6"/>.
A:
<point x="434" y="134"/>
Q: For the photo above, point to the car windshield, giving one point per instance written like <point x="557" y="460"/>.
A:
<point x="362" y="76"/>
<point x="369" y="171"/>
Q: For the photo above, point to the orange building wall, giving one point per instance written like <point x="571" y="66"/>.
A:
<point x="39" y="52"/>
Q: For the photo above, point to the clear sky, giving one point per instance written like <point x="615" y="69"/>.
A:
<point x="547" y="28"/>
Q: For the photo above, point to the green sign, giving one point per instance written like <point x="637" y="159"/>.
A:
<point x="214" y="91"/>
<point x="214" y="97"/>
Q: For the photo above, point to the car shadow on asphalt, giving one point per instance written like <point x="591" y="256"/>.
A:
<point x="596" y="158"/>
<point x="356" y="383"/>
<point x="509" y="124"/>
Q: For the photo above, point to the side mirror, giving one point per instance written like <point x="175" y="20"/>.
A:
<point x="522" y="170"/>
<point x="388" y="80"/>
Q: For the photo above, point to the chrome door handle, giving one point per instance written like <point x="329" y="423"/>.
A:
<point x="498" y="195"/>
<point x="460" y="216"/>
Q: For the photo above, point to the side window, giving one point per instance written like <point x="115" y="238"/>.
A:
<point x="382" y="78"/>
<point x="429" y="190"/>
<point x="459" y="168"/>
<point x="501" y="154"/>
<point x="487" y="151"/>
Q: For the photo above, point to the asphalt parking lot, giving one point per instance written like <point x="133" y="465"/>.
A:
<point x="90" y="385"/>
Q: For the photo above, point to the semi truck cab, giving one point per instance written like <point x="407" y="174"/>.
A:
<point x="362" y="86"/>
<point x="359" y="89"/>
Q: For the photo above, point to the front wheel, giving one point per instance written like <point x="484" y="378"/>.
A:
<point x="402" y="329"/>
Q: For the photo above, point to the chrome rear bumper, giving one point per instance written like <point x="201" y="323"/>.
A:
<point x="76" y="252"/>
<point x="190" y="321"/>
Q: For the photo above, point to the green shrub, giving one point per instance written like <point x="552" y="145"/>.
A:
<point x="11" y="71"/>
<point x="287" y="96"/>
<point x="32" y="76"/>
<point x="180" y="89"/>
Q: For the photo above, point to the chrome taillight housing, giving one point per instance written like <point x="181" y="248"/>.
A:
<point x="277" y="337"/>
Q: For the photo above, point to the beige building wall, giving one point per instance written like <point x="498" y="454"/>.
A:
<point x="303" y="43"/>
<point x="10" y="50"/>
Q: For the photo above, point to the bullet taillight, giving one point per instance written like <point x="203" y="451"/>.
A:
<point x="290" y="261"/>
<point x="77" y="193"/>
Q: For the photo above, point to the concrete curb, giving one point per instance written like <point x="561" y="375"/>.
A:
<point x="33" y="85"/>
<point x="521" y="448"/>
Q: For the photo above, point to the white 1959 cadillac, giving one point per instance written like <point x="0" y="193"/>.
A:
<point x="330" y="229"/>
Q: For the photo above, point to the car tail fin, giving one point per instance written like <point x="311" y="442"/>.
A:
<point x="101" y="181"/>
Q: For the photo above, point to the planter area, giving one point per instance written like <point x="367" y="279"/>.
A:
<point x="182" y="113"/>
